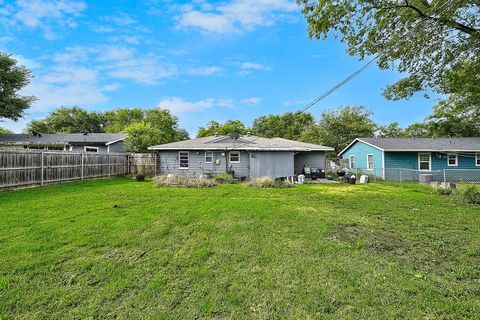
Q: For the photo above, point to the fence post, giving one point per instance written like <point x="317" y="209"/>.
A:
<point x="444" y="176"/>
<point x="155" y="167"/>
<point x="82" y="167"/>
<point x="42" y="169"/>
<point x="109" y="165"/>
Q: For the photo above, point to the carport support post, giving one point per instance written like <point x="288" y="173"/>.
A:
<point x="109" y="165"/>
<point x="42" y="169"/>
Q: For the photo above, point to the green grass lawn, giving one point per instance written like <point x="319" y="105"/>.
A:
<point x="118" y="248"/>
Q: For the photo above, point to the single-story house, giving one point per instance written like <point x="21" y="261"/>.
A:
<point x="247" y="156"/>
<point x="78" y="142"/>
<point x="384" y="157"/>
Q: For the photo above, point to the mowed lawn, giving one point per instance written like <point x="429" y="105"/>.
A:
<point x="123" y="249"/>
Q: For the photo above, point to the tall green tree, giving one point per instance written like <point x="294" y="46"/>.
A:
<point x="392" y="130"/>
<point x="117" y="120"/>
<point x="13" y="78"/>
<point x="424" y="39"/>
<point x="4" y="131"/>
<point x="289" y="125"/>
<point x="459" y="114"/>
<point x="339" y="127"/>
<point x="140" y="136"/>
<point x="69" y="120"/>
<point x="214" y="127"/>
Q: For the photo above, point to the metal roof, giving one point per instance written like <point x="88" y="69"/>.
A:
<point x="249" y="143"/>
<point x="421" y="144"/>
<point x="60" y="138"/>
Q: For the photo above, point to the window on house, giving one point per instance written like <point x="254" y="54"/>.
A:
<point x="424" y="161"/>
<point x="183" y="159"/>
<point x="208" y="156"/>
<point x="477" y="159"/>
<point x="370" y="162"/>
<point x="352" y="162"/>
<point x="452" y="160"/>
<point x="90" y="149"/>
<point x="234" y="157"/>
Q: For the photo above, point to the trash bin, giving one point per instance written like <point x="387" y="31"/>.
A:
<point x="352" y="179"/>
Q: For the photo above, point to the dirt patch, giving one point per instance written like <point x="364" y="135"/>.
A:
<point x="372" y="239"/>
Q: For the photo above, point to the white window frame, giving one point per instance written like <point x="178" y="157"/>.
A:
<point x="180" y="161"/>
<point x="211" y="156"/>
<point x="230" y="156"/>
<point x="350" y="162"/>
<point x="89" y="147"/>
<point x="477" y="159"/>
<point x="429" y="161"/>
<point x="368" y="162"/>
<point x="456" y="160"/>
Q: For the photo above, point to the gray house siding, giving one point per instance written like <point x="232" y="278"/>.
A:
<point x="271" y="164"/>
<point x="312" y="159"/>
<point x="117" y="147"/>
<point x="169" y="163"/>
<point x="80" y="148"/>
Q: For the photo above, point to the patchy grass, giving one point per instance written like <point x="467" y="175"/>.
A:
<point x="122" y="249"/>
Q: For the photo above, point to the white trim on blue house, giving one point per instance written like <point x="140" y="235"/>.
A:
<point x="353" y="142"/>
<point x="429" y="161"/>
<point x="368" y="162"/>
<point x="448" y="159"/>
<point x="383" y="165"/>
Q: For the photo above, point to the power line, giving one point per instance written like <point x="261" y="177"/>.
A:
<point x="356" y="73"/>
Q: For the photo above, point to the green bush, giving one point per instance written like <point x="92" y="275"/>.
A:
<point x="444" y="191"/>
<point x="472" y="195"/>
<point x="183" y="181"/>
<point x="224" y="178"/>
<point x="266" y="182"/>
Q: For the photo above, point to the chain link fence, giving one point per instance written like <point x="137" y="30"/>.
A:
<point x="404" y="175"/>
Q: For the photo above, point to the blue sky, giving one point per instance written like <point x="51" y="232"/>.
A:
<point x="203" y="60"/>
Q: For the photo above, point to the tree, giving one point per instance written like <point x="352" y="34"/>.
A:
<point x="68" y="120"/>
<point x="167" y="123"/>
<point x="459" y="114"/>
<point x="392" y="130"/>
<point x="140" y="136"/>
<point x="339" y="127"/>
<point x="12" y="79"/>
<point x="418" y="130"/>
<point x="425" y="39"/>
<point x="231" y="126"/>
<point x="289" y="125"/>
<point x="78" y="120"/>
<point x="117" y="120"/>
<point x="4" y="131"/>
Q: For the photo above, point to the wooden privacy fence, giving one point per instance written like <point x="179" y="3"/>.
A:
<point x="24" y="168"/>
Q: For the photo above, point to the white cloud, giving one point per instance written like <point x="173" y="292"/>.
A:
<point x="118" y="62"/>
<point x="253" y="66"/>
<point x="45" y="15"/>
<point x="235" y="16"/>
<point x="103" y="29"/>
<point x="206" y="71"/>
<point x="250" y="67"/>
<point x="178" y="105"/>
<point x="252" y="100"/>
<point x="28" y="63"/>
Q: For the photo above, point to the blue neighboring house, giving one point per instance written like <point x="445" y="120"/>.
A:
<point x="389" y="158"/>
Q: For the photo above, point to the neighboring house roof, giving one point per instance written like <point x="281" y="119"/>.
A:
<point x="250" y="143"/>
<point x="421" y="144"/>
<point x="61" y="138"/>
